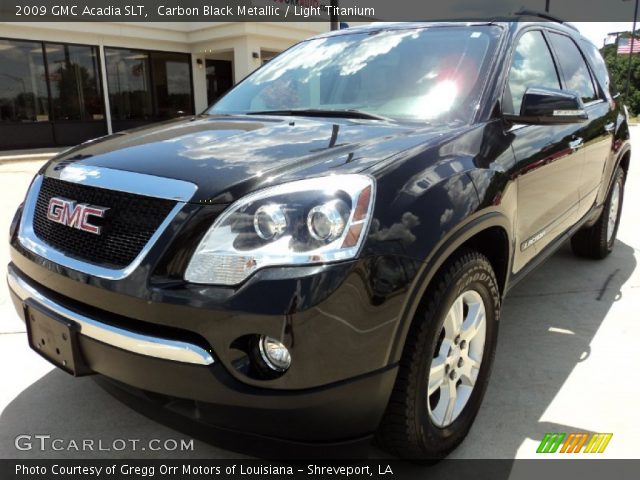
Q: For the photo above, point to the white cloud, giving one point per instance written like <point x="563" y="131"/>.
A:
<point x="598" y="31"/>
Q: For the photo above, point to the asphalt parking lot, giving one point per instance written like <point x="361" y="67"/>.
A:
<point x="567" y="361"/>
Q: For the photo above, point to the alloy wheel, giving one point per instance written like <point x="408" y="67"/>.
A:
<point x="614" y="208"/>
<point x="457" y="359"/>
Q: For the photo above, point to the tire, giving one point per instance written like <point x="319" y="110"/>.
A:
<point x="411" y="427"/>
<point x="597" y="241"/>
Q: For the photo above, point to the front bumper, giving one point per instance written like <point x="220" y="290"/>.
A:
<point x="332" y="317"/>
<point x="146" y="345"/>
<point x="186" y="378"/>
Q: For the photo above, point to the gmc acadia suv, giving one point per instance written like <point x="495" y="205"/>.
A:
<point x="320" y="257"/>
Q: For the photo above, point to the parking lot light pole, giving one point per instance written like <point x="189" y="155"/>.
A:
<point x="333" y="17"/>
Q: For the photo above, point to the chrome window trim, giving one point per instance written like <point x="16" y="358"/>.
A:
<point x="29" y="240"/>
<point x="141" y="344"/>
<point x="598" y="101"/>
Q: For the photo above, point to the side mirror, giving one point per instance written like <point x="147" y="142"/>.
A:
<point x="549" y="106"/>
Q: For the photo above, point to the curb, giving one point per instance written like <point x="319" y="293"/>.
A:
<point x="10" y="157"/>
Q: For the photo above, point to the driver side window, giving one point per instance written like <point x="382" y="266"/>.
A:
<point x="532" y="66"/>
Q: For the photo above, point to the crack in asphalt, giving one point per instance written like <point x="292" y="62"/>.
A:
<point x="606" y="284"/>
<point x="565" y="292"/>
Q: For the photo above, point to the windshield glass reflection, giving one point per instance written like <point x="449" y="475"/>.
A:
<point x="430" y="74"/>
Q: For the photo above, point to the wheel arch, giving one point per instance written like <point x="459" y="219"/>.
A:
<point x="625" y="160"/>
<point x="622" y="160"/>
<point x="488" y="234"/>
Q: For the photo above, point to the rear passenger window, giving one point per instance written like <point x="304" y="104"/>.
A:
<point x="575" y="71"/>
<point x="532" y="66"/>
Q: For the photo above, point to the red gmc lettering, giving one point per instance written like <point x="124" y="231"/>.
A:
<point x="75" y="215"/>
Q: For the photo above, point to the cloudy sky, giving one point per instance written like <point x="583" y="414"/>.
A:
<point x="597" y="31"/>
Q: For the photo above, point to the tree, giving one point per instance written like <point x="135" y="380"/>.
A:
<point x="618" y="66"/>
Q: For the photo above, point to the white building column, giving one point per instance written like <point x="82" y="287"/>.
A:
<point x="199" y="82"/>
<point x="105" y="88"/>
<point x="243" y="61"/>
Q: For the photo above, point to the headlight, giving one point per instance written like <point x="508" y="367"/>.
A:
<point x="304" y="222"/>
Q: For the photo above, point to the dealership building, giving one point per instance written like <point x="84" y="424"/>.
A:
<point x="62" y="84"/>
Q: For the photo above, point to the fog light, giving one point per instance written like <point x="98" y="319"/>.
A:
<point x="326" y="222"/>
<point x="269" y="222"/>
<point x="274" y="354"/>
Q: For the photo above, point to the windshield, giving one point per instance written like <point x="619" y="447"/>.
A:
<point x="432" y="74"/>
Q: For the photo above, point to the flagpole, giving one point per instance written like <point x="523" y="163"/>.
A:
<point x="633" y="37"/>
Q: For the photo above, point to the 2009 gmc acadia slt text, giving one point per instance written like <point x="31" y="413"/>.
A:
<point x="320" y="257"/>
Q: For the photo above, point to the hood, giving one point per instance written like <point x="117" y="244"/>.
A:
<point x="228" y="156"/>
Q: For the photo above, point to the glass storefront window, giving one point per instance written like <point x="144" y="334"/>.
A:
<point x="74" y="81"/>
<point x="23" y="89"/>
<point x="219" y="78"/>
<point x="129" y="79"/>
<point x="147" y="86"/>
<point x="52" y="93"/>
<point x="172" y="79"/>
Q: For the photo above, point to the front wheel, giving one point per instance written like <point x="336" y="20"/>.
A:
<point x="446" y="362"/>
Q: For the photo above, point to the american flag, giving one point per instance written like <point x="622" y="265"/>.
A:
<point x="624" y="45"/>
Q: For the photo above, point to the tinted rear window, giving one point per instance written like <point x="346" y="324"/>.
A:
<point x="575" y="71"/>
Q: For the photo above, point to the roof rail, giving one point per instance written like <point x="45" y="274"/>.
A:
<point x="546" y="16"/>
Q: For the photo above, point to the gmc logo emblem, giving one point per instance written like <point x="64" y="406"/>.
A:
<point x="75" y="215"/>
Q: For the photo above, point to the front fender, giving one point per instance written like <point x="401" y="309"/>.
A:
<point x="422" y="223"/>
<point x="451" y="242"/>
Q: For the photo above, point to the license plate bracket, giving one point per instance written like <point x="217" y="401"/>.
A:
<point x="55" y="338"/>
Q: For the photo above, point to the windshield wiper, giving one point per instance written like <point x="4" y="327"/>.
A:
<point x="317" y="112"/>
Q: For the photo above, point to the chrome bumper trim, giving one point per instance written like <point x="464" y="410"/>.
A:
<point x="118" y="337"/>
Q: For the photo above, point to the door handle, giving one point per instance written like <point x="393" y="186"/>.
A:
<point x="576" y="143"/>
<point x="609" y="127"/>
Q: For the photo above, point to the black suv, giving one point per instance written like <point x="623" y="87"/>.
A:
<point x="321" y="256"/>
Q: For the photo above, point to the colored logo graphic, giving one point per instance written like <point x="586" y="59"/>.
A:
<point x="574" y="442"/>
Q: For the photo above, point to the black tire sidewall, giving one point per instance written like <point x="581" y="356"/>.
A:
<point x="474" y="276"/>
<point x="619" y="179"/>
